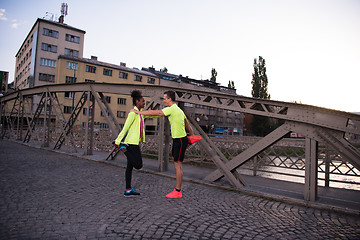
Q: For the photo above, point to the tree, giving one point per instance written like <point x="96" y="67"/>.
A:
<point x="213" y="75"/>
<point x="260" y="125"/>
<point x="231" y="84"/>
<point x="259" y="80"/>
<point x="164" y="69"/>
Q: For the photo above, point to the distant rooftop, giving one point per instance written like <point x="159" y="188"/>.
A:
<point x="180" y="78"/>
<point x="122" y="66"/>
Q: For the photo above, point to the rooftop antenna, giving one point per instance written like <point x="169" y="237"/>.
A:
<point x="64" y="12"/>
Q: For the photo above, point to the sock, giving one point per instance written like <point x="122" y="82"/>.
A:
<point x="178" y="190"/>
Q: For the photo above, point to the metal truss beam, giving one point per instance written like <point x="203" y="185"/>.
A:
<point x="323" y="117"/>
<point x="311" y="173"/>
<point x="35" y="117"/>
<point x="109" y="115"/>
<point x="70" y="123"/>
<point x="219" y="159"/>
<point x="317" y="124"/>
<point x="252" y="151"/>
<point x="61" y="120"/>
<point x="89" y="127"/>
<point x="335" y="139"/>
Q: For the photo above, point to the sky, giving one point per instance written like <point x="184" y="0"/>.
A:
<point x="311" y="47"/>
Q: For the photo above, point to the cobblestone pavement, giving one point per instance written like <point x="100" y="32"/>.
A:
<point x="47" y="195"/>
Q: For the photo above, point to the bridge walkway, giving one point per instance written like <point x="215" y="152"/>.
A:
<point x="51" y="195"/>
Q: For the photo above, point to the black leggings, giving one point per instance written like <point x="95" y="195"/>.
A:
<point x="134" y="160"/>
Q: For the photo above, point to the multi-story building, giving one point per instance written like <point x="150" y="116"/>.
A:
<point x="36" y="59"/>
<point x="53" y="53"/>
<point x="74" y="69"/>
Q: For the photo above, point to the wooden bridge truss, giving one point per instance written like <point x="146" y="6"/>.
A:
<point x="316" y="124"/>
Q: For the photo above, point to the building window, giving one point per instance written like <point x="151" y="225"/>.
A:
<point x="122" y="101"/>
<point x="48" y="47"/>
<point x="104" y="125"/>
<point x="67" y="109"/>
<point x="107" y="72"/>
<point x="107" y="99"/>
<point x="70" y="79"/>
<point x="90" y="69"/>
<point x="71" y="65"/>
<point x="120" y="114"/>
<point x="123" y="75"/>
<point x="72" y="38"/>
<point x="85" y="110"/>
<point x="151" y="80"/>
<point x="71" y="52"/>
<point x="69" y="95"/>
<point x="102" y="114"/>
<point x="47" y="62"/>
<point x="138" y="78"/>
<point x="46" y="77"/>
<point x="50" y="33"/>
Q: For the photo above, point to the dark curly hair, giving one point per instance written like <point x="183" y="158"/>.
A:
<point x="136" y="95"/>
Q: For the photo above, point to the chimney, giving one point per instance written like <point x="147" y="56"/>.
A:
<point x="122" y="64"/>
<point x="93" y="58"/>
<point x="61" y="19"/>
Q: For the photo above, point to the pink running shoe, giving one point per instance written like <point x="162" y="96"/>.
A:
<point x="174" y="194"/>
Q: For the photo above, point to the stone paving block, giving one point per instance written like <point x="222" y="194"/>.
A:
<point x="47" y="195"/>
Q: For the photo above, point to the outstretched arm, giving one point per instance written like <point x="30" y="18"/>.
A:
<point x="149" y="112"/>
<point x="188" y="127"/>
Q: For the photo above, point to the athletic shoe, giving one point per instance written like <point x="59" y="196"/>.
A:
<point x="131" y="192"/>
<point x="174" y="194"/>
<point x="194" y="138"/>
<point x="123" y="146"/>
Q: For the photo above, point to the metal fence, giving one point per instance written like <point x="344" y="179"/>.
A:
<point x="284" y="160"/>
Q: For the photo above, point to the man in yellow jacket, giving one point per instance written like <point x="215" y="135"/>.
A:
<point x="179" y="125"/>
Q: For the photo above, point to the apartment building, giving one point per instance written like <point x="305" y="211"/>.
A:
<point x="52" y="53"/>
<point x="36" y="60"/>
<point x="73" y="69"/>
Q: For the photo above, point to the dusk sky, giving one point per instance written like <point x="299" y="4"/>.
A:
<point x="311" y="48"/>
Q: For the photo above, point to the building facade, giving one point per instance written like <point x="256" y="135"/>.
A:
<point x="52" y="53"/>
<point x="36" y="60"/>
<point x="73" y="70"/>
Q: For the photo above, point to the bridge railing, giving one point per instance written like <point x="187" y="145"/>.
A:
<point x="320" y="127"/>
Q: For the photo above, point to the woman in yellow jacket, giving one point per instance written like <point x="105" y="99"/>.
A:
<point x="135" y="129"/>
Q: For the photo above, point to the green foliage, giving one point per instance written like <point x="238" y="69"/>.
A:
<point x="231" y="84"/>
<point x="259" y="80"/>
<point x="164" y="69"/>
<point x="260" y="125"/>
<point x="213" y="75"/>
